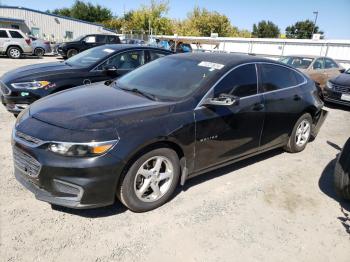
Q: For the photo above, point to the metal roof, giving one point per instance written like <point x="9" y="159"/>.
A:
<point x="54" y="15"/>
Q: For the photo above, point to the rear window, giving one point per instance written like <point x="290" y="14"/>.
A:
<point x="15" y="34"/>
<point x="3" y="34"/>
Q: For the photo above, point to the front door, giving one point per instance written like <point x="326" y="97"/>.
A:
<point x="317" y="72"/>
<point x="227" y="132"/>
<point x="332" y="69"/>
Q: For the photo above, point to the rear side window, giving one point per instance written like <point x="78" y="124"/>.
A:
<point x="15" y="34"/>
<point x="318" y="64"/>
<point x="155" y="55"/>
<point x="329" y="63"/>
<point x="240" y="82"/>
<point x="113" y="39"/>
<point x="275" y="77"/>
<point x="3" y="34"/>
<point x="100" y="39"/>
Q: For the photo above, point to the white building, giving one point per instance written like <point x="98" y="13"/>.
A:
<point x="47" y="26"/>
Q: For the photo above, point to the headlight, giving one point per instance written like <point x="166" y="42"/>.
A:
<point x="329" y="85"/>
<point x="31" y="85"/>
<point x="81" y="149"/>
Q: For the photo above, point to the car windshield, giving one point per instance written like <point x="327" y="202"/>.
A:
<point x="89" y="57"/>
<point x="297" y="62"/>
<point x="347" y="71"/>
<point x="168" y="78"/>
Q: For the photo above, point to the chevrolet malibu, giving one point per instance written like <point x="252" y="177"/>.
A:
<point x="159" y="125"/>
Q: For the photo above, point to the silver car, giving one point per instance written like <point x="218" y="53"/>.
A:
<point x="40" y="46"/>
<point x="14" y="43"/>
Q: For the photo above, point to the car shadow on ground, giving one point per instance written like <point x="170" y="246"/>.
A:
<point x="326" y="184"/>
<point x="337" y="106"/>
<point x="118" y="208"/>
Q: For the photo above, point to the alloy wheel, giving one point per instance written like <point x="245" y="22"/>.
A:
<point x="15" y="53"/>
<point x="153" y="179"/>
<point x="303" y="133"/>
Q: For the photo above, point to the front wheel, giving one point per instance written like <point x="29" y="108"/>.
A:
<point x="14" y="52"/>
<point x="300" y="135"/>
<point x="150" y="181"/>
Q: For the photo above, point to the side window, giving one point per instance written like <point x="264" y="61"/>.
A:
<point x="126" y="61"/>
<point x="275" y="77"/>
<point x="240" y="82"/>
<point x="113" y="39"/>
<point x="69" y="35"/>
<point x="90" y="39"/>
<point x="318" y="64"/>
<point x="100" y="39"/>
<point x="155" y="55"/>
<point x="329" y="63"/>
<point x="15" y="34"/>
<point x="3" y="34"/>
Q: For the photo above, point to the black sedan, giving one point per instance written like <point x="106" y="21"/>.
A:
<point x="165" y="122"/>
<point x="22" y="86"/>
<point x="337" y="89"/>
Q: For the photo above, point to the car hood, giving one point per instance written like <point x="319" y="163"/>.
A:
<point x="95" y="107"/>
<point x="342" y="79"/>
<point x="39" y="70"/>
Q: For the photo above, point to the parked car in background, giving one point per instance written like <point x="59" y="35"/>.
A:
<point x="40" y="46"/>
<point x="165" y="122"/>
<point x="69" y="49"/>
<point x="23" y="86"/>
<point x="342" y="172"/>
<point x="14" y="43"/>
<point x="318" y="68"/>
<point x="133" y="41"/>
<point x="337" y="89"/>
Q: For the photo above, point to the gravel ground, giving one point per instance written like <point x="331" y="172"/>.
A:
<point x="274" y="207"/>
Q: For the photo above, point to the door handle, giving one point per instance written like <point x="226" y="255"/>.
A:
<point x="297" y="97"/>
<point x="258" y="107"/>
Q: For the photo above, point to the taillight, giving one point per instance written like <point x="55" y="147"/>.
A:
<point x="46" y="42"/>
<point x="28" y="41"/>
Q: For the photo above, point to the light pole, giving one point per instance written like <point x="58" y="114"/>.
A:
<point x="316" y="16"/>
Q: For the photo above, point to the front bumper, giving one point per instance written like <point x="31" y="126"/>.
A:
<point x="334" y="97"/>
<point x="61" y="52"/>
<point x="67" y="181"/>
<point x="15" y="104"/>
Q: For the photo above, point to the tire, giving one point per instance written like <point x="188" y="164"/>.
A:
<point x="341" y="173"/>
<point x="39" y="52"/>
<point x="298" y="138"/>
<point x="71" y="52"/>
<point x="135" y="189"/>
<point x="14" y="52"/>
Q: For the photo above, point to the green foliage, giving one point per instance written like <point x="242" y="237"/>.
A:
<point x="86" y="11"/>
<point x="266" y="29"/>
<point x="302" y="30"/>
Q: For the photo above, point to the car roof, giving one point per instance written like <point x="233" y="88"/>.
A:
<point x="227" y="59"/>
<point x="307" y="56"/>
<point x="118" y="47"/>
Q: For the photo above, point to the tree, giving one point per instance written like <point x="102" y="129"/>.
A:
<point x="201" y="22"/>
<point x="265" y="29"/>
<point x="86" y="11"/>
<point x="302" y="30"/>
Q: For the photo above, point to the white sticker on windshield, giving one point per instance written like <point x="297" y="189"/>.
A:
<point x="211" y="65"/>
<point x="108" y="50"/>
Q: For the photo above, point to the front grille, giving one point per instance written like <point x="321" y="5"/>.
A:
<point x="4" y="89"/>
<point x="341" y="89"/>
<point x="27" y="138"/>
<point x="26" y="163"/>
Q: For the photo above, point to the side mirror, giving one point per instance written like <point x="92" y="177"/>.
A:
<point x="342" y="70"/>
<point x="222" y="100"/>
<point x="110" y="70"/>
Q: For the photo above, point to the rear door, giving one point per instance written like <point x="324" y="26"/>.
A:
<point x="283" y="102"/>
<point x="227" y="132"/>
<point x="331" y="68"/>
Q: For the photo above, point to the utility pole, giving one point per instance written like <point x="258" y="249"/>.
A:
<point x="316" y="16"/>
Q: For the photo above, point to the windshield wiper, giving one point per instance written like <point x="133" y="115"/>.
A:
<point x="137" y="91"/>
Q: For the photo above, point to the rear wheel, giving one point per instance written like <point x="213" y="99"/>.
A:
<point x="300" y="135"/>
<point x="342" y="173"/>
<point x="150" y="181"/>
<point x="39" y="52"/>
<point x="71" y="52"/>
<point x="14" y="52"/>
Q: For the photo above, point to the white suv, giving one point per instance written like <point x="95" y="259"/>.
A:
<point x="14" y="43"/>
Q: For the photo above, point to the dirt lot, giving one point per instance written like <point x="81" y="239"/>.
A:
<point x="274" y="207"/>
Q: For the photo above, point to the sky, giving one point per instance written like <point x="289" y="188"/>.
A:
<point x="333" y="18"/>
